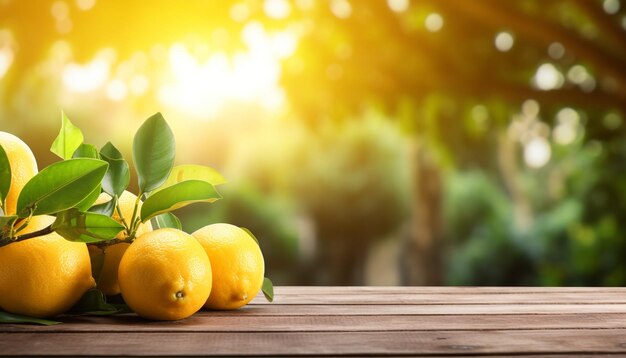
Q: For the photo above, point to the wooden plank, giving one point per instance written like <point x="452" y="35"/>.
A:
<point x="493" y="342"/>
<point x="206" y="322"/>
<point x="439" y="298"/>
<point x="452" y="290"/>
<point x="434" y="309"/>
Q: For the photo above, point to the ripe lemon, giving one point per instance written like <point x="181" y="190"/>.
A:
<point x="23" y="167"/>
<point x="107" y="280"/>
<point x="43" y="276"/>
<point x="237" y="265"/>
<point x="165" y="275"/>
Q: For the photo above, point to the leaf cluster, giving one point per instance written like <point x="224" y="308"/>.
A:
<point x="68" y="189"/>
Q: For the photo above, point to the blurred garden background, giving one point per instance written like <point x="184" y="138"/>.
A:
<point x="378" y="142"/>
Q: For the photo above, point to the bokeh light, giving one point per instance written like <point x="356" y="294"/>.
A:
<point x="365" y="142"/>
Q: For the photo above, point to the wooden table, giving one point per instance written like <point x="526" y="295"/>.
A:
<point x="357" y="321"/>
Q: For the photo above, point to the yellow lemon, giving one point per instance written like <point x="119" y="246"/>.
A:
<point x="107" y="280"/>
<point x="43" y="276"/>
<point x="23" y="167"/>
<point x="165" y="275"/>
<point x="237" y="265"/>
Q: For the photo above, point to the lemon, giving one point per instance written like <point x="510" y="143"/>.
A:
<point x="165" y="275"/>
<point x="23" y="167"/>
<point x="43" y="276"/>
<point x="107" y="279"/>
<point x="236" y="262"/>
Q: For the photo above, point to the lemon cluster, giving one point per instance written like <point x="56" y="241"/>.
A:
<point x="164" y="274"/>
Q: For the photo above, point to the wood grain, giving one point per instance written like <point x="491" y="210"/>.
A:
<point x="320" y="343"/>
<point x="356" y="321"/>
<point x="206" y="322"/>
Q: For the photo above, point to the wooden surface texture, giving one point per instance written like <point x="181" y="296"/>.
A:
<point x="356" y="321"/>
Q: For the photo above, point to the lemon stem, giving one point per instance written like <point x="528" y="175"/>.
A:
<point x="122" y="219"/>
<point x="45" y="231"/>
<point x="135" y="221"/>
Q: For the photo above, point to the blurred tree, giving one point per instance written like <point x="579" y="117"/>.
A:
<point x="455" y="74"/>
<point x="353" y="181"/>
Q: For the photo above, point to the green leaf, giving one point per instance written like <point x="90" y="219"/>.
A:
<point x="251" y="234"/>
<point x="6" y="317"/>
<point x="5" y="176"/>
<point x="181" y="173"/>
<point x="153" y="153"/>
<point x="86" y="151"/>
<point x="106" y="208"/>
<point x="94" y="303"/>
<point x="111" y="151"/>
<point x="86" y="203"/>
<point x="177" y="196"/>
<point x="167" y="220"/>
<point x="68" y="140"/>
<point x="60" y="186"/>
<point x="88" y="227"/>
<point x="7" y="220"/>
<point x="117" y="177"/>
<point x="268" y="289"/>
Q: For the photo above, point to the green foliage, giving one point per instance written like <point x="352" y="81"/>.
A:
<point x="60" y="186"/>
<point x="362" y="166"/>
<point x="69" y="139"/>
<point x="6" y="221"/>
<point x="6" y="317"/>
<point x="5" y="176"/>
<point x="117" y="177"/>
<point x="484" y="249"/>
<point x="106" y="208"/>
<point x="86" y="151"/>
<point x="94" y="303"/>
<point x="86" y="203"/>
<point x="268" y="289"/>
<point x="167" y="220"/>
<point x="153" y="153"/>
<point x="178" y="196"/>
<point x="88" y="227"/>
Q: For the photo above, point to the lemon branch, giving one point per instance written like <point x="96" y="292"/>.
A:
<point x="135" y="220"/>
<point x="122" y="219"/>
<point x="45" y="231"/>
<point x="11" y="239"/>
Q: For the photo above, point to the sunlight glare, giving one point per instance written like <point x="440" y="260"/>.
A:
<point x="566" y="130"/>
<point x="204" y="88"/>
<point x="85" y="5"/>
<point x="6" y="59"/>
<point x="531" y="108"/>
<point x="305" y="4"/>
<point x="239" y="12"/>
<point x="548" y="77"/>
<point x="276" y="9"/>
<point x="611" y="6"/>
<point x="116" y="90"/>
<point x="341" y="8"/>
<point x="6" y="51"/>
<point x="139" y="84"/>
<point x="578" y="75"/>
<point x="537" y="152"/>
<point x="84" y="78"/>
<point x="433" y="22"/>
<point x="398" y="5"/>
<point x="504" y="41"/>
